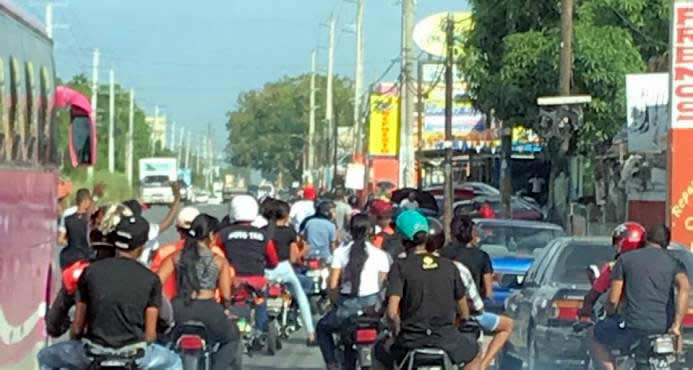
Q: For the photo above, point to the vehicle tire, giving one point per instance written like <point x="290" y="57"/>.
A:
<point x="272" y="338"/>
<point x="190" y="362"/>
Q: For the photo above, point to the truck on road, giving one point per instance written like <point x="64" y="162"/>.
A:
<point x="156" y="175"/>
<point x="233" y="186"/>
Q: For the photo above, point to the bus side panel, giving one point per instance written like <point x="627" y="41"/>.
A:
<point x="28" y="229"/>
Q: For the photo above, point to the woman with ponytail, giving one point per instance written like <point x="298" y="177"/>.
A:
<point x="286" y="242"/>
<point x="356" y="278"/>
<point x="199" y="273"/>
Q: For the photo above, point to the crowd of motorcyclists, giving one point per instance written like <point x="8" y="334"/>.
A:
<point x="122" y="291"/>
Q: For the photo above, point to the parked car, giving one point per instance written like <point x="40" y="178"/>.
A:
<point x="202" y="197"/>
<point x="546" y="302"/>
<point x="512" y="245"/>
<point x="521" y="208"/>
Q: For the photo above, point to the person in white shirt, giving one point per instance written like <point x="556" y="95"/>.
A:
<point x="356" y="279"/>
<point x="303" y="208"/>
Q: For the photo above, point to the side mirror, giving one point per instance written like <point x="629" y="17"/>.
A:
<point x="82" y="140"/>
<point x="519" y="281"/>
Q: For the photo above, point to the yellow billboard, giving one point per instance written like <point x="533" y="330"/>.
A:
<point x="383" y="130"/>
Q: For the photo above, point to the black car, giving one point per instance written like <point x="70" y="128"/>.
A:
<point x="546" y="302"/>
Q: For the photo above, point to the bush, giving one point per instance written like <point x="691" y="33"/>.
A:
<point x="117" y="188"/>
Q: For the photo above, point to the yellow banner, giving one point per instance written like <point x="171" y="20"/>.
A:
<point x="383" y="131"/>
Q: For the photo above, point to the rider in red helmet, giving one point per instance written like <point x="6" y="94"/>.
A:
<point x="626" y="237"/>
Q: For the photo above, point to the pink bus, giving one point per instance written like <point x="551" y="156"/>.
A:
<point x="28" y="180"/>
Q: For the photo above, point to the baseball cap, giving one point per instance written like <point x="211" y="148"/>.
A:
<point x="135" y="206"/>
<point x="186" y="216"/>
<point x="409" y="223"/>
<point x="381" y="208"/>
<point x="309" y="192"/>
<point x="244" y="208"/>
<point x="131" y="232"/>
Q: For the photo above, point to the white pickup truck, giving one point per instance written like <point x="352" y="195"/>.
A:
<point x="156" y="175"/>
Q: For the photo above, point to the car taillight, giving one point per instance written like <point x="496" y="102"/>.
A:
<point x="565" y="309"/>
<point x="313" y="264"/>
<point x="275" y="290"/>
<point x="365" y="335"/>
<point x="191" y="343"/>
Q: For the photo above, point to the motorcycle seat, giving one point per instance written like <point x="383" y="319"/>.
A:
<point x="425" y="357"/>
<point x="132" y="351"/>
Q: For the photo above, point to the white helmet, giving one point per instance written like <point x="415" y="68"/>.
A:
<point x="186" y="216"/>
<point x="244" y="208"/>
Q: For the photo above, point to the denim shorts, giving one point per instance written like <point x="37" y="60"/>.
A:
<point x="488" y="321"/>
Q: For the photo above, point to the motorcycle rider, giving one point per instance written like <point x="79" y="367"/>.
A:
<point x="286" y="242"/>
<point x="382" y="212"/>
<point x="626" y="237"/>
<point x="645" y="278"/>
<point x="76" y="233"/>
<point x="357" y="273"/>
<point x="248" y="251"/>
<point x="320" y="232"/>
<point x="303" y="208"/>
<point x="199" y="272"/>
<point x="118" y="305"/>
<point x="425" y="293"/>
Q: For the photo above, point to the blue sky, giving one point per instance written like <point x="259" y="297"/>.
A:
<point x="194" y="61"/>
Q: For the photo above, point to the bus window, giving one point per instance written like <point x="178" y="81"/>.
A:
<point x="12" y="136"/>
<point x="42" y="129"/>
<point x="3" y="117"/>
<point x="29" y="132"/>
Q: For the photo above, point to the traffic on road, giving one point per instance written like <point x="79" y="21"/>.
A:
<point x="452" y="215"/>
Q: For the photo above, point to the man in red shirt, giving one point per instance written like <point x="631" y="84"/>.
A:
<point x="382" y="211"/>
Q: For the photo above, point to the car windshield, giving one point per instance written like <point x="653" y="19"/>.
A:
<point x="155" y="180"/>
<point x="575" y="258"/>
<point x="503" y="240"/>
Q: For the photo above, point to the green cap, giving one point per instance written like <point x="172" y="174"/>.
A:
<point x="409" y="223"/>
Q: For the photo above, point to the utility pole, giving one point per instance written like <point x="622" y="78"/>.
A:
<point x="311" y="120"/>
<point x="129" y="152"/>
<point x="181" y="148"/>
<point x="94" y="100"/>
<point x="49" y="19"/>
<point x="358" y="76"/>
<point x="154" y="125"/>
<point x="329" y="107"/>
<point x="566" y="67"/>
<point x="111" y="122"/>
<point x="406" y="153"/>
<point x="187" y="152"/>
<point x="172" y="144"/>
<point x="448" y="191"/>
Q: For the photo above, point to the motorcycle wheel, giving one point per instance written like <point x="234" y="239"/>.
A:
<point x="190" y="362"/>
<point x="273" y="339"/>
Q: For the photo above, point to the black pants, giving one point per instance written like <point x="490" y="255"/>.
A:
<point x="460" y="347"/>
<point x="219" y="328"/>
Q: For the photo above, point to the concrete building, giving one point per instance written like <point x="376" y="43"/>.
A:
<point x="158" y="125"/>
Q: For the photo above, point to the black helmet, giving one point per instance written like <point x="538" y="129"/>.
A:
<point x="436" y="234"/>
<point x="325" y="207"/>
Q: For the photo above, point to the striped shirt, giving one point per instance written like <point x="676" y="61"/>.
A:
<point x="472" y="291"/>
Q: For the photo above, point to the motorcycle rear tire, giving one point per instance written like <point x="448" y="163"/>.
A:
<point x="190" y="362"/>
<point x="273" y="339"/>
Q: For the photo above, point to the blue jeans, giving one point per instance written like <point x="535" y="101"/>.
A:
<point x="332" y="322"/>
<point x="285" y="273"/>
<point x="71" y="355"/>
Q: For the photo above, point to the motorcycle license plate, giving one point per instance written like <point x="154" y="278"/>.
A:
<point x="275" y="303"/>
<point x="313" y="273"/>
<point x="113" y="363"/>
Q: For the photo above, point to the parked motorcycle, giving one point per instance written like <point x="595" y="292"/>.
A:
<point x="125" y="358"/>
<point x="193" y="345"/>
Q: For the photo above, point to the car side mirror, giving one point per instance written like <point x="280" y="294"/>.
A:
<point x="81" y="140"/>
<point x="519" y="281"/>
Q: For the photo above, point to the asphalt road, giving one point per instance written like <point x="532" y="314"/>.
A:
<point x="294" y="354"/>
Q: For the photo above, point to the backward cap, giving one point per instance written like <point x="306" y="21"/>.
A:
<point x="410" y="223"/>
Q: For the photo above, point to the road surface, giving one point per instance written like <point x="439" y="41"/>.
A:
<point x="294" y="354"/>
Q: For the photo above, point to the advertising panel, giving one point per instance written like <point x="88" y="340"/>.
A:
<point x="383" y="129"/>
<point x="647" y="101"/>
<point x="680" y="199"/>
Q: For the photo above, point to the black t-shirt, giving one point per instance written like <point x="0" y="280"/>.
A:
<point x="430" y="287"/>
<point x="392" y="244"/>
<point x="648" y="279"/>
<point x="117" y="291"/>
<point x="76" y="226"/>
<point x="284" y="236"/>
<point x="474" y="259"/>
<point x="245" y="249"/>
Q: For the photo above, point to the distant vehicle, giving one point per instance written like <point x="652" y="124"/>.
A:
<point x="512" y="245"/>
<point x="521" y="209"/>
<point x="30" y="167"/>
<point x="202" y="197"/>
<point x="215" y="199"/>
<point x="218" y="187"/>
<point x="233" y="186"/>
<point x="265" y="190"/>
<point x="185" y="182"/>
<point x="156" y="175"/>
<point x="546" y="302"/>
<point x="465" y="190"/>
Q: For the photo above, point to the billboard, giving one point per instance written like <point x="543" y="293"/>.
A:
<point x="429" y="33"/>
<point x="647" y="101"/>
<point x="383" y="129"/>
<point x="680" y="197"/>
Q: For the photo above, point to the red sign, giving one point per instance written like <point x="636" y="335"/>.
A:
<point x="680" y="199"/>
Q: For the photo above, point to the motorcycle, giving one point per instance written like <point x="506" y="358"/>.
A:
<point x="283" y="309"/>
<point x="277" y="309"/>
<point x="318" y="272"/>
<point x="653" y="352"/>
<point x="102" y="358"/>
<point x="359" y="336"/>
<point x="194" y="347"/>
<point x="246" y="300"/>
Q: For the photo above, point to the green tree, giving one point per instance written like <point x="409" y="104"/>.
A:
<point x="512" y="57"/>
<point x="269" y="127"/>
